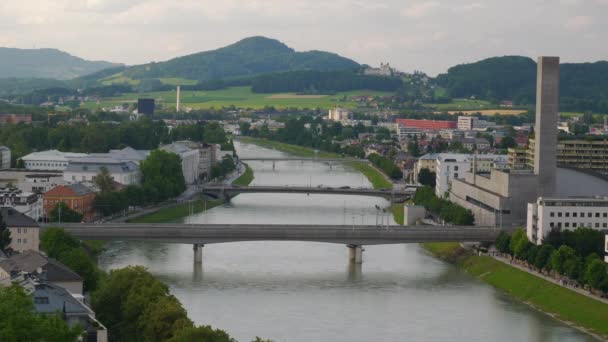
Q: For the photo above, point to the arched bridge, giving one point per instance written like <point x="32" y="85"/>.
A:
<point x="352" y="236"/>
<point x="227" y="192"/>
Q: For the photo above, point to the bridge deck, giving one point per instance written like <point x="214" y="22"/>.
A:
<point x="220" y="233"/>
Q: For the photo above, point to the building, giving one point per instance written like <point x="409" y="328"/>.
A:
<point x="587" y="154"/>
<point x="427" y="124"/>
<point x="473" y="123"/>
<point x="406" y="132"/>
<point x="76" y="196"/>
<point x="27" y="203"/>
<point x="127" y="154"/>
<point x="145" y="107"/>
<point x="383" y="70"/>
<point x="412" y="214"/>
<point x="50" y="298"/>
<point x="565" y="213"/>
<point x="427" y="161"/>
<point x="5" y="157"/>
<point x="25" y="231"/>
<point x="450" y="166"/>
<point x="519" y="159"/>
<point x="87" y="168"/>
<point x="207" y="154"/>
<point x="15" y="119"/>
<point x="190" y="160"/>
<point x="40" y="183"/>
<point x="473" y="144"/>
<point x="52" y="160"/>
<point x="35" y="262"/>
<point x="339" y="114"/>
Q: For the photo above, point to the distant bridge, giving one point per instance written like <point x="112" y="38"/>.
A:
<point x="229" y="191"/>
<point x="354" y="236"/>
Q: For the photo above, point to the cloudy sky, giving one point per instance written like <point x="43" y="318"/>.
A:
<point x="410" y="34"/>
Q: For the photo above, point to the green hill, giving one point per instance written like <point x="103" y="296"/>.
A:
<point x="583" y="86"/>
<point x="46" y="63"/>
<point x="250" y="56"/>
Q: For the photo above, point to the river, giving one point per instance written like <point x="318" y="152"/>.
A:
<point x="303" y="291"/>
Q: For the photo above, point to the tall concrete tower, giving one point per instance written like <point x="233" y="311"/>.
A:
<point x="177" y="100"/>
<point x="547" y="111"/>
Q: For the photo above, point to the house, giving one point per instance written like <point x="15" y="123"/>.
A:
<point x="51" y="298"/>
<point x="87" y="168"/>
<point x="24" y="202"/>
<point x="52" y="160"/>
<point x="190" y="160"/>
<point x="35" y="262"/>
<point x="25" y="231"/>
<point x="76" y="196"/>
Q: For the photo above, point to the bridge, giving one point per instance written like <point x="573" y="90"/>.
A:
<point x="229" y="191"/>
<point x="303" y="159"/>
<point x="354" y="236"/>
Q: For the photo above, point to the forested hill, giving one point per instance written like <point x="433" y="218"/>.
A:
<point x="250" y="56"/>
<point x="46" y="63"/>
<point x="583" y="86"/>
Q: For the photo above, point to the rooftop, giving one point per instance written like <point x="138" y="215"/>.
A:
<point x="95" y="163"/>
<point x="52" y="155"/>
<point x="13" y="218"/>
<point x="76" y="189"/>
<point x="32" y="261"/>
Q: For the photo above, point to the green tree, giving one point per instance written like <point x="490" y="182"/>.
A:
<point x="55" y="241"/>
<point x="104" y="180"/>
<point x="595" y="273"/>
<point x="162" y="175"/>
<point x="507" y="142"/>
<point x="5" y="235"/>
<point x="201" y="333"/>
<point x="560" y="257"/>
<point x="19" y="321"/>
<point x="502" y="242"/>
<point x="517" y="236"/>
<point x="541" y="260"/>
<point x="426" y="177"/>
<point x="63" y="213"/>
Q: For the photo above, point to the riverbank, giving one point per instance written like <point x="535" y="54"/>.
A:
<point x="572" y="308"/>
<point x="246" y="178"/>
<point x="177" y="212"/>
<point x="299" y="151"/>
<point x="377" y="178"/>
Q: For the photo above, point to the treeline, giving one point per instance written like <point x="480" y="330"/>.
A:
<point x="319" y="82"/>
<point x="582" y="85"/>
<point x="130" y="302"/>
<point x="99" y="137"/>
<point x="572" y="254"/>
<point x="386" y="165"/>
<point x="446" y="210"/>
<point x="321" y="135"/>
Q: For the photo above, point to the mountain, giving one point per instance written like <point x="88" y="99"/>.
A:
<point x="250" y="56"/>
<point x="583" y="86"/>
<point x="46" y="63"/>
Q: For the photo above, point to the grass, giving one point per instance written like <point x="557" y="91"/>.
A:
<point x="378" y="179"/>
<point x="177" y="212"/>
<point x="241" y="97"/>
<point x="462" y="104"/>
<point x="398" y="215"/>
<point x="553" y="299"/>
<point x="175" y="81"/>
<point x="246" y="178"/>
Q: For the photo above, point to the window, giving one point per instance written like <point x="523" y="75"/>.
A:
<point x="605" y="214"/>
<point x="604" y="225"/>
<point x="552" y="214"/>
<point x="18" y="230"/>
<point x="567" y="224"/>
<point x="559" y="214"/>
<point x="551" y="224"/>
<point x="455" y="168"/>
<point x="18" y="240"/>
<point x="455" y="175"/>
<point x="41" y="300"/>
<point x="24" y="230"/>
<point x="567" y="214"/>
<point x="597" y="214"/>
<point x="597" y="224"/>
<point x="589" y="214"/>
<point x="574" y="214"/>
<point x="24" y="240"/>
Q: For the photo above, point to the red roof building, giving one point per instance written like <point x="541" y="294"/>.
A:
<point x="427" y="124"/>
<point x="76" y="196"/>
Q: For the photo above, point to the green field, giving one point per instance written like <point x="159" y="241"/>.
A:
<point x="177" y="212"/>
<point x="374" y="176"/>
<point x="241" y="97"/>
<point x="553" y="299"/>
<point x="463" y="104"/>
<point x="246" y="178"/>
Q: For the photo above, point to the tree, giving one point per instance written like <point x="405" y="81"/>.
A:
<point x="595" y="273"/>
<point x="104" y="180"/>
<point x="541" y="260"/>
<point x="55" y="241"/>
<point x="507" y="142"/>
<point x="517" y="236"/>
<point x="19" y="321"/>
<point x="162" y="175"/>
<point x="5" y="235"/>
<point x="201" y="333"/>
<point x="502" y="242"/>
<point x="63" y="213"/>
<point x="426" y="177"/>
<point x="560" y="257"/>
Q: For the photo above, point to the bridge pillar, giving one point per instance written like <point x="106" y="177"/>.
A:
<point x="198" y="253"/>
<point x="355" y="253"/>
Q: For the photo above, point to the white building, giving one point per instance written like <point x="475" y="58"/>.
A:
<point x="449" y="166"/>
<point x="52" y="160"/>
<point x="40" y="183"/>
<point x="339" y="114"/>
<point x="565" y="214"/>
<point x="5" y="157"/>
<point x="127" y="154"/>
<point x="190" y="160"/>
<point x="25" y="231"/>
<point x="383" y="70"/>
<point x="27" y="203"/>
<point x="87" y="168"/>
<point x="469" y="123"/>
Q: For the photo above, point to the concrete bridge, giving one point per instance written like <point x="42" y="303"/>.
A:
<point x="229" y="191"/>
<point x="353" y="236"/>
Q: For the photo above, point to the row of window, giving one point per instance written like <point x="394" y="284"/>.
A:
<point x="574" y="225"/>
<point x="21" y="241"/>
<point x="21" y="230"/>
<point x="46" y="164"/>
<point x="53" y="202"/>
<point x="575" y="214"/>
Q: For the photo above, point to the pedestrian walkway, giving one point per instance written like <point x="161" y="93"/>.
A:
<point x="550" y="279"/>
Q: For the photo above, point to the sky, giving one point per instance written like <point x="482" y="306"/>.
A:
<point x="409" y="34"/>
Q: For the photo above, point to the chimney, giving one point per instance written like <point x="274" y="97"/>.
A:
<point x="547" y="111"/>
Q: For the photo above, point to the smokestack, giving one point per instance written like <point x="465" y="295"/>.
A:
<point x="177" y="101"/>
<point x="547" y="111"/>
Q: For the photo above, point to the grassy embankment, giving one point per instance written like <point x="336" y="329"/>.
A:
<point x="177" y="212"/>
<point x="246" y="178"/>
<point x="557" y="301"/>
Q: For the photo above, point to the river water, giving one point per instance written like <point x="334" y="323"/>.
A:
<point x="303" y="291"/>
